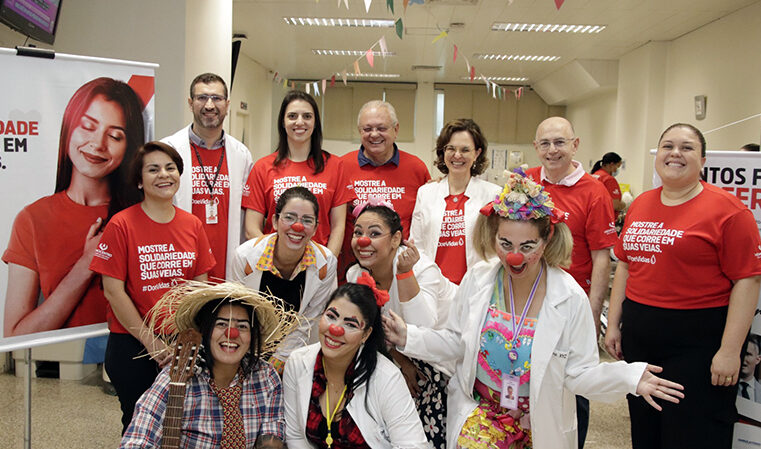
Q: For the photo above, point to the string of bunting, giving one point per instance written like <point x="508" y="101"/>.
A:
<point x="318" y="88"/>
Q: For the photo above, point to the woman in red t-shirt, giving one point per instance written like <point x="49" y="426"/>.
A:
<point x="299" y="160"/>
<point x="144" y="250"/>
<point x="606" y="170"/>
<point x="684" y="295"/>
<point x="54" y="238"/>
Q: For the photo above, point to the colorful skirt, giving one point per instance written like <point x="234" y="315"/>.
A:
<point x="491" y="426"/>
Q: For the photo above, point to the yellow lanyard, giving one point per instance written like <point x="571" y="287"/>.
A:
<point x="329" y="439"/>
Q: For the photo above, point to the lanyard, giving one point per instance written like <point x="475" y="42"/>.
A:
<point x="210" y="185"/>
<point x="331" y="416"/>
<point x="513" y="354"/>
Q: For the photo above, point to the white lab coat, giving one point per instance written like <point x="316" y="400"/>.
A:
<point x="564" y="358"/>
<point x="239" y="164"/>
<point x="389" y="421"/>
<point x="319" y="284"/>
<point x="429" y="213"/>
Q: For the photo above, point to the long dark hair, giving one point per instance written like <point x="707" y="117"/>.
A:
<point x="366" y="359"/>
<point x="123" y="194"/>
<point x="316" y="155"/>
<point x="692" y="128"/>
<point x="299" y="192"/>
<point x="205" y="319"/>
<point x="607" y="158"/>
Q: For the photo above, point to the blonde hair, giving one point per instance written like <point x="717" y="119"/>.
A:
<point x="557" y="253"/>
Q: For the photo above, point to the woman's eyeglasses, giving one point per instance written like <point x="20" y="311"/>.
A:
<point x="307" y="220"/>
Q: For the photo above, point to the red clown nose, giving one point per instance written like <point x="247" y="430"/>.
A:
<point x="364" y="241"/>
<point x="232" y="332"/>
<point x="514" y="259"/>
<point x="298" y="227"/>
<point x="336" y="330"/>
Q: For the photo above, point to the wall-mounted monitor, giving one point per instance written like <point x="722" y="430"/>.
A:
<point x="37" y="19"/>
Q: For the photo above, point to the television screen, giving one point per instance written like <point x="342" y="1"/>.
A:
<point x="37" y="19"/>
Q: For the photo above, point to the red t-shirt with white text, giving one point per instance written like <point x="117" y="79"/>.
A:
<point x="589" y="216"/>
<point x="609" y="182"/>
<point x="216" y="232"/>
<point x="450" y="254"/>
<point x="149" y="256"/>
<point x="266" y="183"/>
<point x="686" y="256"/>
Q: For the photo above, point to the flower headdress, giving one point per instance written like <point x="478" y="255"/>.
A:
<point x="523" y="199"/>
<point x="371" y="200"/>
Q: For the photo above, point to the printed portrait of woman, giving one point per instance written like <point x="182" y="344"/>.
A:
<point x="50" y="285"/>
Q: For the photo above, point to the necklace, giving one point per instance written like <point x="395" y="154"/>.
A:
<point x="330" y="416"/>
<point x="513" y="354"/>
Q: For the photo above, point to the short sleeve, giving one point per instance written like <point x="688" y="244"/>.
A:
<point x="255" y="191"/>
<point x="21" y="245"/>
<point x="110" y="257"/>
<point x="600" y="229"/>
<point x="739" y="246"/>
<point x="343" y="194"/>
<point x="206" y="260"/>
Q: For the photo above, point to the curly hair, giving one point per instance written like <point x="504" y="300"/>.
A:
<point x="479" y="140"/>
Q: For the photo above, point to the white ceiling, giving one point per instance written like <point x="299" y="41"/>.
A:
<point x="287" y="49"/>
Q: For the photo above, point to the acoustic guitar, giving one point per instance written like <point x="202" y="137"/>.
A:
<point x="183" y="361"/>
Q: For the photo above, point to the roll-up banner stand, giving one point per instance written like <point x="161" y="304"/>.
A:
<point x="69" y="126"/>
<point x="739" y="173"/>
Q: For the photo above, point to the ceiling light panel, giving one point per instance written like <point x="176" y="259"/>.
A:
<point x="511" y="79"/>
<point x="525" y="58"/>
<point x="547" y="28"/>
<point x="338" y="22"/>
<point x="370" y="75"/>
<point x="326" y="52"/>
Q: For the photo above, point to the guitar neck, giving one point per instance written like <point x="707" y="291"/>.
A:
<point x="173" y="416"/>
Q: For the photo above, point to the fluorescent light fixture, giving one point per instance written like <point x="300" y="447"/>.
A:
<point x="512" y="79"/>
<point x="547" y="27"/>
<point x="503" y="57"/>
<point x="338" y="22"/>
<point x="325" y="52"/>
<point x="369" y="75"/>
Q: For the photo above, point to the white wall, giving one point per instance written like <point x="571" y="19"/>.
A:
<point x="594" y="121"/>
<point x="252" y="85"/>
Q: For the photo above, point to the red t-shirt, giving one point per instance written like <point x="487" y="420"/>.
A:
<point x="396" y="184"/>
<point x="266" y="183"/>
<point x="48" y="237"/>
<point x="150" y="256"/>
<point x="609" y="182"/>
<point x="216" y="232"/>
<point x="450" y="254"/>
<point x="589" y="216"/>
<point x="686" y="256"/>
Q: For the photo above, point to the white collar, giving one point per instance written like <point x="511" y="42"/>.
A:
<point x="570" y="179"/>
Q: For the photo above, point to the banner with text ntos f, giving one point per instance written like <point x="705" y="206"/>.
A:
<point x="69" y="127"/>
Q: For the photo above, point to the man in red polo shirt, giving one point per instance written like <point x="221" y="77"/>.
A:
<point x="380" y="169"/>
<point x="589" y="216"/>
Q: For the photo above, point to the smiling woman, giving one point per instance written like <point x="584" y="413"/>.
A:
<point x="53" y="239"/>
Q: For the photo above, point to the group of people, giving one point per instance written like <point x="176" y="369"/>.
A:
<point x="468" y="313"/>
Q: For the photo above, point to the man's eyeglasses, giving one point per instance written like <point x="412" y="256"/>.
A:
<point x="557" y="143"/>
<point x="203" y="98"/>
<point x="307" y="220"/>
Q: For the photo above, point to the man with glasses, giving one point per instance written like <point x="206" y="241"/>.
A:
<point x="380" y="169"/>
<point x="213" y="188"/>
<point x="589" y="216"/>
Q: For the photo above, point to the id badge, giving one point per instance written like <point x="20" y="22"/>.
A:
<point x="508" y="397"/>
<point x="211" y="213"/>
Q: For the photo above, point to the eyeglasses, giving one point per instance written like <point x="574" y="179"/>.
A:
<point x="307" y="220"/>
<point x="451" y="149"/>
<point x="224" y="323"/>
<point x="378" y="129"/>
<point x="557" y="143"/>
<point x="203" y="98"/>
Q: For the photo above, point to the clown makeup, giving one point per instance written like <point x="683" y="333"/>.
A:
<point x="342" y="330"/>
<point x="519" y="247"/>
<point x="295" y="225"/>
<point x="231" y="336"/>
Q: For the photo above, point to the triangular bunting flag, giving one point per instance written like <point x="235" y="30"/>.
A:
<point x="369" y="56"/>
<point x="274" y="77"/>
<point x="307" y="87"/>
<point x="316" y="89"/>
<point x="440" y="36"/>
<point x="390" y="5"/>
<point x="472" y="72"/>
<point x="324" y="84"/>
<point x="520" y="92"/>
<point x="367" y="5"/>
<point x="285" y="83"/>
<point x="412" y="2"/>
<point x="559" y="3"/>
<point x="333" y="81"/>
<point x="493" y="90"/>
<point x="406" y="2"/>
<point x="454" y="59"/>
<point x="382" y="44"/>
<point x="399" y="27"/>
<point x="343" y="76"/>
<point x="293" y="84"/>
<point x="356" y="68"/>
<point x="346" y="3"/>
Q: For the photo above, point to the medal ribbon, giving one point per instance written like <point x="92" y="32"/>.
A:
<point x="517" y="329"/>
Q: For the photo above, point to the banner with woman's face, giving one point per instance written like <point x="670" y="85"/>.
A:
<point x="69" y="128"/>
